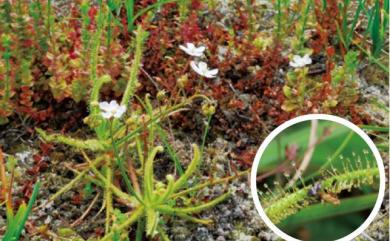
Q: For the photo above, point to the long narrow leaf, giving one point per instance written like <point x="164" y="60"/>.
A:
<point x="19" y="220"/>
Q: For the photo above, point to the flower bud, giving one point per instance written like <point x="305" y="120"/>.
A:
<point x="161" y="95"/>
<point x="208" y="109"/>
<point x="182" y="81"/>
<point x="92" y="121"/>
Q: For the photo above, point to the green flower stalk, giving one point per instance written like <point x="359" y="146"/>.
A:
<point x="141" y="35"/>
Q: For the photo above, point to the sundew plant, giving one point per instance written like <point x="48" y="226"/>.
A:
<point x="318" y="180"/>
<point x="140" y="120"/>
<point x="128" y="145"/>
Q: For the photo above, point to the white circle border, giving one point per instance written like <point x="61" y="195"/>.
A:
<point x="338" y="120"/>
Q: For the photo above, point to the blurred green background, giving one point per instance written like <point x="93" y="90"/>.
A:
<point x="298" y="134"/>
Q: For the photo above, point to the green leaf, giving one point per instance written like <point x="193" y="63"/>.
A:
<point x="375" y="30"/>
<point x="190" y="170"/>
<point x="375" y="128"/>
<point x="16" y="223"/>
<point x="323" y="210"/>
<point x="151" y="222"/>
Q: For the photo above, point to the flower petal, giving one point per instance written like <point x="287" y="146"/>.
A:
<point x="307" y="59"/>
<point x="201" y="49"/>
<point x="106" y="115"/>
<point x="294" y="64"/>
<point x="213" y="71"/>
<point x="196" y="54"/>
<point x="183" y="48"/>
<point x="120" y="111"/>
<point x="190" y="46"/>
<point x="203" y="66"/>
<point x="297" y="58"/>
<point x="105" y="106"/>
<point x="195" y="68"/>
<point x="209" y="76"/>
<point x="114" y="104"/>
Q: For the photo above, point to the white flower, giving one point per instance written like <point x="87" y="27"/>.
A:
<point x="190" y="49"/>
<point x="112" y="109"/>
<point x="298" y="61"/>
<point x="202" y="69"/>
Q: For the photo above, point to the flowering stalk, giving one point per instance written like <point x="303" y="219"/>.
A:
<point x="132" y="83"/>
<point x="95" y="46"/>
<point x="300" y="31"/>
<point x="108" y="194"/>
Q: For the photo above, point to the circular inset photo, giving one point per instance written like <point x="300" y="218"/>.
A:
<point x="318" y="177"/>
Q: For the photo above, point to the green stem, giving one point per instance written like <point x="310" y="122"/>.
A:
<point x="169" y="149"/>
<point x="157" y="118"/>
<point x="333" y="157"/>
<point x="114" y="189"/>
<point x="150" y="7"/>
<point x="137" y="213"/>
<point x="122" y="169"/>
<point x="206" y="131"/>
<point x="108" y="194"/>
